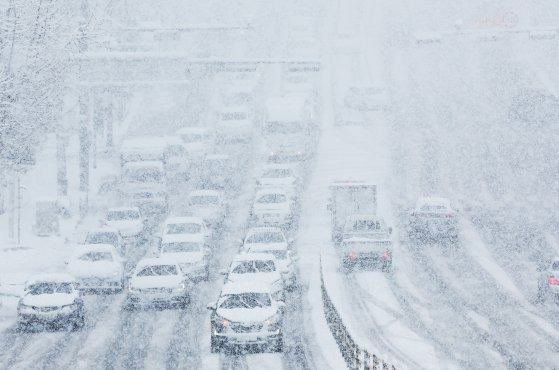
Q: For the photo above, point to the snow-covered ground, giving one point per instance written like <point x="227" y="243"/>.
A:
<point x="448" y="132"/>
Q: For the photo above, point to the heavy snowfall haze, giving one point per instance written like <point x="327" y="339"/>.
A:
<point x="395" y="160"/>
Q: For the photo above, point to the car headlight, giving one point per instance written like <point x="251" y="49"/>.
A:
<point x="181" y="287"/>
<point x="273" y="323"/>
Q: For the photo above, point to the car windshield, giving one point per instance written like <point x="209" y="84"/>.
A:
<point x="191" y="138"/>
<point x="50" y="288"/>
<point x="96" y="257"/>
<point x="276" y="173"/>
<point x="246" y="300"/>
<point x="233" y="116"/>
<point x="266" y="237"/>
<point x="433" y="208"/>
<point x="181" y="247"/>
<point x="158" y="270"/>
<point x="123" y="215"/>
<point x="186" y="228"/>
<point x="102" y="238"/>
<point x="272" y="198"/>
<point x="203" y="200"/>
<point x="144" y="175"/>
<point x="366" y="225"/>
<point x="284" y="127"/>
<point x="253" y="267"/>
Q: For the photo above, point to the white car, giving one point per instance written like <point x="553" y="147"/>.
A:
<point x="106" y="235"/>
<point x="272" y="207"/>
<point x="246" y="315"/>
<point x="127" y="220"/>
<point x="271" y="240"/>
<point x="158" y="282"/>
<point x="51" y="299"/>
<point x="548" y="284"/>
<point x="194" y="226"/>
<point x="217" y="172"/>
<point x="190" y="252"/>
<point x="197" y="141"/>
<point x="207" y="204"/>
<point x="366" y="242"/>
<point x="433" y="219"/>
<point x="97" y="267"/>
<point x="235" y="123"/>
<point x="261" y="267"/>
<point x="279" y="176"/>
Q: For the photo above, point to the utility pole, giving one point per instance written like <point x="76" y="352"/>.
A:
<point x="18" y="210"/>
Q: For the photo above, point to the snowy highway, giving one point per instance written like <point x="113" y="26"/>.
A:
<point x="472" y="106"/>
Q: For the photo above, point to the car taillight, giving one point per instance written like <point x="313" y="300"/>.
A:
<point x="552" y="280"/>
<point x="352" y="255"/>
<point x="387" y="254"/>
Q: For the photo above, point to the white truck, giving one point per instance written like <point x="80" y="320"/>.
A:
<point x="349" y="198"/>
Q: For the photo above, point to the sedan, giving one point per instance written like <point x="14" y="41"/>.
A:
<point x="98" y="268"/>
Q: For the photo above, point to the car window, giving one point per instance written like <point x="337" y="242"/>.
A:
<point x="366" y="225"/>
<point x="96" y="257"/>
<point x="158" y="270"/>
<point x="102" y="238"/>
<point x="284" y="128"/>
<point x="277" y="173"/>
<point x="190" y="228"/>
<point x="246" y="300"/>
<point x="265" y="266"/>
<point x="123" y="215"/>
<point x="144" y="175"/>
<point x="50" y="288"/>
<point x="433" y="208"/>
<point x="232" y="116"/>
<point x="555" y="265"/>
<point x="181" y="247"/>
<point x="253" y="267"/>
<point x="272" y="198"/>
<point x="203" y="199"/>
<point x="266" y="237"/>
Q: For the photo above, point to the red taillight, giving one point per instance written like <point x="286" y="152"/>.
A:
<point x="552" y="280"/>
<point x="352" y="255"/>
<point x="387" y="254"/>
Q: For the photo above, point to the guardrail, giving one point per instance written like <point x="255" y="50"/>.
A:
<point x="355" y="356"/>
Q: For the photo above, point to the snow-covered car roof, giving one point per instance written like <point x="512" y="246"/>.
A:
<point x="254" y="257"/>
<point x="192" y="130"/>
<point x="50" y="278"/>
<point x="178" y="238"/>
<point x="263" y="229"/>
<point x="204" y="193"/>
<point x="144" y="164"/>
<point x="245" y="287"/>
<point x="120" y="209"/>
<point x="184" y="220"/>
<point x="270" y="190"/>
<point x="350" y="183"/>
<point x="82" y="248"/>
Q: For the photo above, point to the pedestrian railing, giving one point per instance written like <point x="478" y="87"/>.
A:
<point x="355" y="356"/>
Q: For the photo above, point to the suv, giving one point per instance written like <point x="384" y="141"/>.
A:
<point x="246" y="315"/>
<point x="366" y="242"/>
<point x="433" y="219"/>
<point x="51" y="299"/>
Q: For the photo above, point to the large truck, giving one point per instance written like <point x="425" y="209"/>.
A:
<point x="349" y="198"/>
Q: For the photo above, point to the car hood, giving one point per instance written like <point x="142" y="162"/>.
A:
<point x="185" y="257"/>
<point x="245" y="315"/>
<point x="93" y="269"/>
<point x="143" y="282"/>
<point x="49" y="300"/>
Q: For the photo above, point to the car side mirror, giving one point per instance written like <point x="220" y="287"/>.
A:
<point x="212" y="306"/>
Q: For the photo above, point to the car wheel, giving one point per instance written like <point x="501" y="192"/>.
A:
<point x="22" y="327"/>
<point x="387" y="266"/>
<point x="214" y="345"/>
<point x="348" y="266"/>
<point x="78" y="323"/>
<point x="277" y="345"/>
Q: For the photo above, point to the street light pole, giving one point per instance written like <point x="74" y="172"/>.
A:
<point x="18" y="210"/>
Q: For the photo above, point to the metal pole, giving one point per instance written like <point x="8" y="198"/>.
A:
<point x="18" y="211"/>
